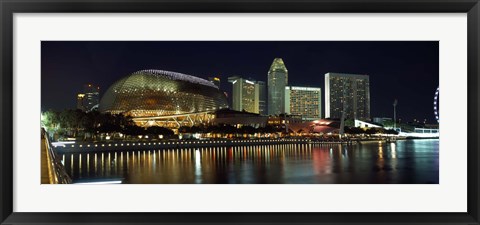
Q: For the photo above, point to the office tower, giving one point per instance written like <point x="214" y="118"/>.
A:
<point x="261" y="91"/>
<point x="89" y="99"/>
<point x="277" y="81"/>
<point x="215" y="81"/>
<point x="349" y="93"/>
<point x="80" y="101"/>
<point x="245" y="94"/>
<point x="304" y="101"/>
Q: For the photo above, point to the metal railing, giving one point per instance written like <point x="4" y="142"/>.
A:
<point x="60" y="176"/>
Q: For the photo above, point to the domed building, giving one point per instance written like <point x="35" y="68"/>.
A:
<point x="163" y="98"/>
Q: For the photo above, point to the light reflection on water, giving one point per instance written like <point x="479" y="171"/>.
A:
<point x="409" y="162"/>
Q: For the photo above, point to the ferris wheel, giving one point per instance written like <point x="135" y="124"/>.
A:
<point x="436" y="105"/>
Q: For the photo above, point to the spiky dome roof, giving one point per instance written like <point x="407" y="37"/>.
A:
<point x="148" y="93"/>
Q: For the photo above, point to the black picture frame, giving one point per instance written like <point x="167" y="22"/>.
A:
<point x="9" y="7"/>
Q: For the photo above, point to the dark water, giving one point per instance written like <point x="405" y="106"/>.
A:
<point x="406" y="162"/>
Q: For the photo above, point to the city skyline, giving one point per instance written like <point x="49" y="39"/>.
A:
<point x="102" y="63"/>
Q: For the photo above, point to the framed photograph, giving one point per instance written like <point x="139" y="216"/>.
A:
<point x="234" y="112"/>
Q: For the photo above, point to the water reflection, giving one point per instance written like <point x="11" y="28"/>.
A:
<point x="411" y="161"/>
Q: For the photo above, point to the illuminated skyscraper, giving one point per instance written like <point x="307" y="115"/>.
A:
<point x="89" y="99"/>
<point x="304" y="101"/>
<point x="245" y="94"/>
<point x="261" y="91"/>
<point x="277" y="81"/>
<point x="80" y="101"/>
<point x="349" y="92"/>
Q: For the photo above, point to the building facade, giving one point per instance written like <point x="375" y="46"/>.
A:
<point x="245" y="94"/>
<point x="277" y="81"/>
<point x="89" y="99"/>
<point x="304" y="101"/>
<point x="349" y="93"/>
<point x="80" y="101"/>
<point x="163" y="98"/>
<point x="261" y="91"/>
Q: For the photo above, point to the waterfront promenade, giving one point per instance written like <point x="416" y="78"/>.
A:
<point x="175" y="144"/>
<point x="45" y="162"/>
<point x="52" y="169"/>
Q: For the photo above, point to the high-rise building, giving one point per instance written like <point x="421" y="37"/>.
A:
<point x="80" y="101"/>
<point x="277" y="81"/>
<point x="215" y="81"/>
<point x="245" y="94"/>
<point x="304" y="101"/>
<point x="261" y="91"/>
<point x="89" y="99"/>
<point x="349" y="93"/>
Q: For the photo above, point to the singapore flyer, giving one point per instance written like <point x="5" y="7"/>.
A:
<point x="436" y="105"/>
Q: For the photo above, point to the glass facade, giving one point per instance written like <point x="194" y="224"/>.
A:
<point x="245" y="94"/>
<point x="150" y="93"/>
<point x="277" y="81"/>
<point x="304" y="101"/>
<point x="261" y="91"/>
<point x="349" y="93"/>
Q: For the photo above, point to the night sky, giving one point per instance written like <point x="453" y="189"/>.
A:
<point x="403" y="70"/>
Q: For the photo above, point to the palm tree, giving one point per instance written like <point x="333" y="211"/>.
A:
<point x="156" y="130"/>
<point x="51" y="122"/>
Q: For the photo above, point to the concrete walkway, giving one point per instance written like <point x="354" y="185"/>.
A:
<point x="46" y="169"/>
